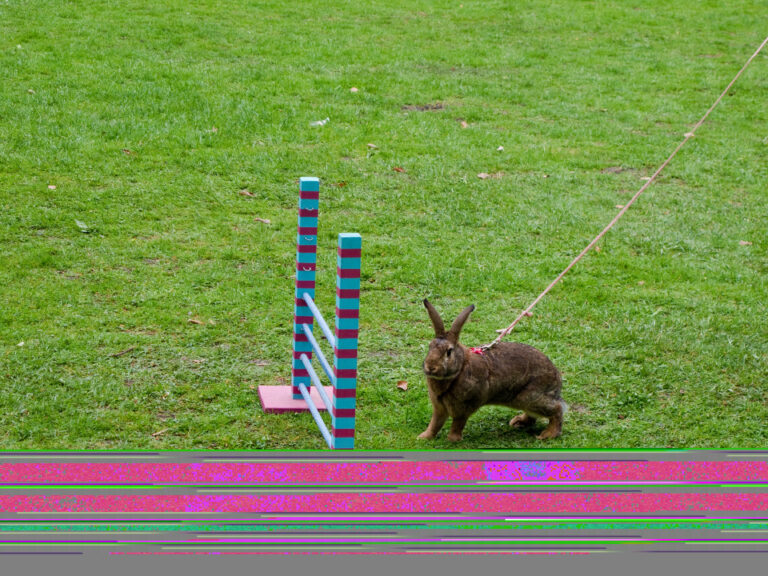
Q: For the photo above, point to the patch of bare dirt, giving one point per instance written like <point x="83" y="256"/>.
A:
<point x="424" y="107"/>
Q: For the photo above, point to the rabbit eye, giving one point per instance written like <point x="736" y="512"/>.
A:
<point x="449" y="352"/>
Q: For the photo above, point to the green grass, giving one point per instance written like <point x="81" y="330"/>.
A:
<point x="149" y="119"/>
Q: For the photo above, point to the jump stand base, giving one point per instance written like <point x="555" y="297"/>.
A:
<point x="278" y="399"/>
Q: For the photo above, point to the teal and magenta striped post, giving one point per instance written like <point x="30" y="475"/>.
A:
<point x="306" y="264"/>
<point x="344" y="396"/>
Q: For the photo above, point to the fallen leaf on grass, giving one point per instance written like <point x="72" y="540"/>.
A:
<point x="159" y="432"/>
<point x="464" y="124"/>
<point x="372" y="146"/>
<point x="83" y="227"/>
<point x="745" y="243"/>
<point x="263" y="220"/>
<point x="320" y="122"/>
<point x="619" y="206"/>
<point x="51" y="187"/>
<point x="340" y="184"/>
<point x="398" y="169"/>
<point x="195" y="321"/>
<point x="126" y="152"/>
<point x="20" y="343"/>
<point x="500" y="149"/>
<point x="402" y="384"/>
<point x="246" y="192"/>
<point x="353" y="89"/>
<point x="485" y="175"/>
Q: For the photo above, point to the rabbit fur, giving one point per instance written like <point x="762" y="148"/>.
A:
<point x="510" y="374"/>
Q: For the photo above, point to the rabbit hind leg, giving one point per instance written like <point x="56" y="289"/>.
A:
<point x="555" y="427"/>
<point x="538" y="405"/>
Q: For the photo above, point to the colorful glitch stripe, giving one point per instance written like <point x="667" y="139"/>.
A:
<point x="384" y="503"/>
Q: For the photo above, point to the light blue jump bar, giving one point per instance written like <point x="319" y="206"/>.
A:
<point x="320" y="355"/>
<point x="299" y="329"/>
<point x="307" y="363"/>
<point x="310" y="291"/>
<point x="316" y="414"/>
<point x="308" y="221"/>
<point x="306" y="257"/>
<point x="320" y="320"/>
<point x="307" y="204"/>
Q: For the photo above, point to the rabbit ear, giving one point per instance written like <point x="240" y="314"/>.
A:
<point x="458" y="324"/>
<point x="437" y="322"/>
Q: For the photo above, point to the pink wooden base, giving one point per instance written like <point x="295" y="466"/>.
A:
<point x="278" y="399"/>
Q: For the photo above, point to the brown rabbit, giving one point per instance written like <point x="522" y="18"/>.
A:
<point x="461" y="380"/>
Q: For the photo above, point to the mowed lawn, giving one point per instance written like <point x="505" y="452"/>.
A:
<point x="149" y="159"/>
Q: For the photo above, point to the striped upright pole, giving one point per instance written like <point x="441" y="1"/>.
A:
<point x="306" y="263"/>
<point x="344" y="397"/>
